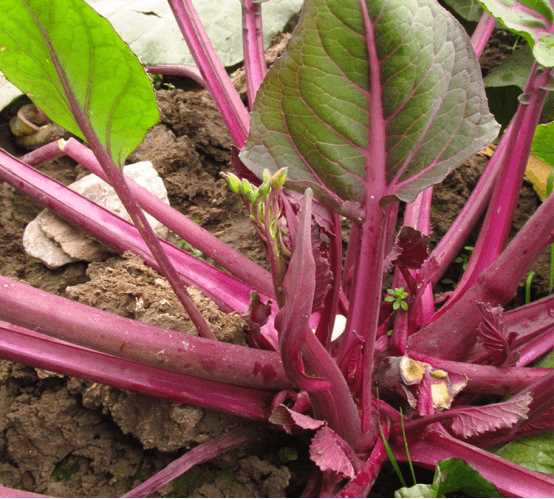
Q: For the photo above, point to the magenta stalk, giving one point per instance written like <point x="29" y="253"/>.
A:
<point x="498" y="221"/>
<point x="200" y="454"/>
<point x="108" y="228"/>
<point x="453" y="241"/>
<point x="8" y="492"/>
<point x="482" y="33"/>
<point x="488" y="379"/>
<point x="181" y="71"/>
<point x="30" y="348"/>
<point x="234" y="261"/>
<point x="213" y="72"/>
<point x="452" y="335"/>
<point x="89" y="327"/>
<point x="253" y="47"/>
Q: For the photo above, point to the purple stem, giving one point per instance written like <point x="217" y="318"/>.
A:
<point x="511" y="479"/>
<point x="64" y="319"/>
<point x="498" y="221"/>
<point x="117" y="180"/>
<point x="488" y="379"/>
<point x="453" y="241"/>
<point x="536" y="348"/>
<point x="6" y="492"/>
<point x="234" y="261"/>
<point x="28" y="347"/>
<point x="452" y="335"/>
<point x="118" y="234"/>
<point x="367" y="287"/>
<point x="253" y="47"/>
<point x="533" y="317"/>
<point x="200" y="454"/>
<point x="178" y="70"/>
<point x="482" y="33"/>
<point x="213" y="72"/>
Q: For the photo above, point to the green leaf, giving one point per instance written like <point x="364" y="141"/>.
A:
<point x="452" y="476"/>
<point x="419" y="490"/>
<point x="152" y="32"/>
<point x="312" y="112"/>
<point x="505" y="82"/>
<point x="535" y="452"/>
<point x="43" y="43"/>
<point x="470" y="10"/>
<point x="546" y="361"/>
<point x="455" y="475"/>
<point x="532" y="19"/>
<point x="543" y="143"/>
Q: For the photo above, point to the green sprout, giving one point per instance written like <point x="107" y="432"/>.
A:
<point x="398" y="297"/>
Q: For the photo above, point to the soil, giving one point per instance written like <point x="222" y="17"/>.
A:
<point x="67" y="437"/>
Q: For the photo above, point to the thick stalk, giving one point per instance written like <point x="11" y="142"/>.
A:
<point x="181" y="71"/>
<point x="119" y="235"/>
<point x="530" y="318"/>
<point x="233" y="261"/>
<point x="498" y="221"/>
<point x="368" y="281"/>
<point x="453" y="241"/>
<point x="511" y="479"/>
<point x="200" y="454"/>
<point x="213" y="72"/>
<point x="452" y="335"/>
<point x="482" y="33"/>
<point x="488" y="379"/>
<point x="64" y="319"/>
<point x="8" y="492"/>
<point x="536" y="348"/>
<point x="253" y="47"/>
<point x="28" y="347"/>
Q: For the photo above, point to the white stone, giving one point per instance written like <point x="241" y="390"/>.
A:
<point x="56" y="243"/>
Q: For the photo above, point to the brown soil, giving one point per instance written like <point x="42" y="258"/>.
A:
<point x="68" y="437"/>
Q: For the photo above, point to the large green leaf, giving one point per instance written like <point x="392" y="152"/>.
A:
<point x="470" y="10"/>
<point x="312" y="112"/>
<point x="532" y="19"/>
<point x="543" y="144"/>
<point x="535" y="452"/>
<point x="44" y="43"/>
<point x="452" y="476"/>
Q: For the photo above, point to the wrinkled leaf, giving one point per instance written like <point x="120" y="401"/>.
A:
<point x="290" y="420"/>
<point x="100" y="70"/>
<point x="535" y="452"/>
<point x="476" y="420"/>
<point x="412" y="248"/>
<point x="452" y="476"/>
<point x="327" y="451"/>
<point x="540" y="166"/>
<point x="532" y="19"/>
<point x="150" y="28"/>
<point x="470" y="10"/>
<point x="312" y="112"/>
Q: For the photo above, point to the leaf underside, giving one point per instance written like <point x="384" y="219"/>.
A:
<point x="532" y="19"/>
<point x="312" y="113"/>
<point x="106" y="78"/>
<point x="468" y="9"/>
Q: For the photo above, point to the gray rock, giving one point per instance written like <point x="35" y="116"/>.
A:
<point x="56" y="243"/>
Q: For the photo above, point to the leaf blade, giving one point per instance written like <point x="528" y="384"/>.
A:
<point x="51" y="48"/>
<point x="312" y="115"/>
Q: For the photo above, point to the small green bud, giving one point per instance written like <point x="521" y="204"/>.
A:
<point x="248" y="191"/>
<point x="264" y="188"/>
<point x="233" y="182"/>
<point x="279" y="178"/>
